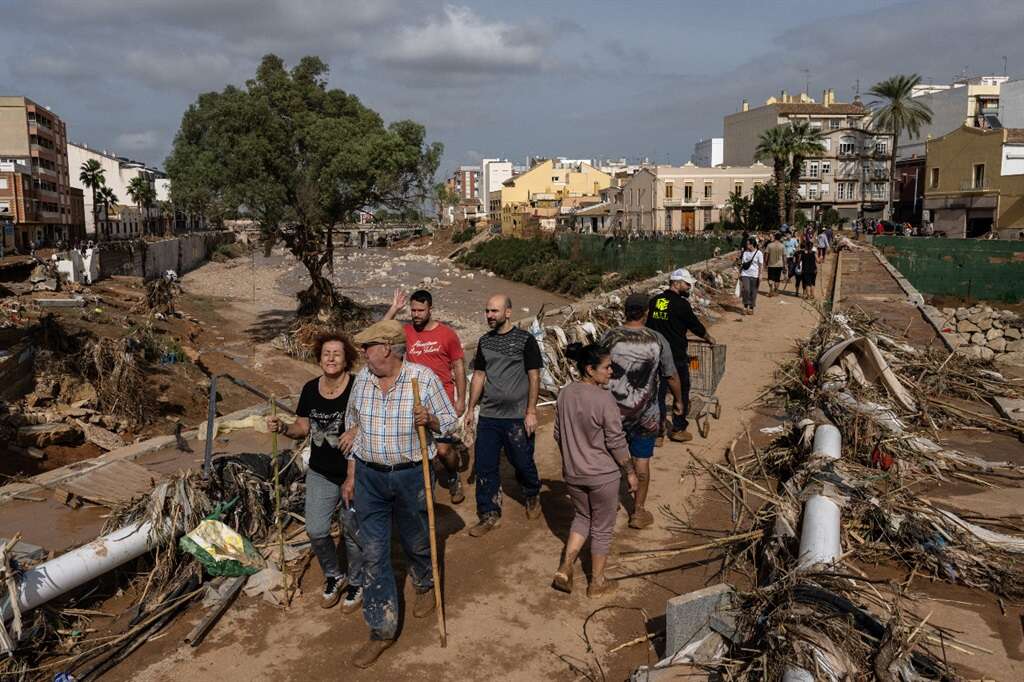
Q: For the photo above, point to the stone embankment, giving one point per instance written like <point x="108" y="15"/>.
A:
<point x="984" y="333"/>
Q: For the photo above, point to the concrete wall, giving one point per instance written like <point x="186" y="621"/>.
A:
<point x="150" y="260"/>
<point x="979" y="269"/>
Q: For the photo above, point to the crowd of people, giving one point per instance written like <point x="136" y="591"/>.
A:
<point x="785" y="256"/>
<point x="365" y="460"/>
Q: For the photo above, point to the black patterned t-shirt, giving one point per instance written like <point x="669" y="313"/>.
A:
<point x="326" y="424"/>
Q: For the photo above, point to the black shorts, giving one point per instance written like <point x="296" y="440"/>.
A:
<point x="809" y="278"/>
<point x="774" y="274"/>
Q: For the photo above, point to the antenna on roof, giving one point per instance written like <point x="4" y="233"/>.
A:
<point x="856" y="89"/>
<point x="807" y="81"/>
<point x="1004" y="64"/>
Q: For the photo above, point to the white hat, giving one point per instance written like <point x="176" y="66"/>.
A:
<point x="682" y="274"/>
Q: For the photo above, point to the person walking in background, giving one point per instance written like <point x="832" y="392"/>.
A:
<point x="389" y="476"/>
<point x="823" y="244"/>
<point x="330" y="476"/>
<point x="588" y="430"/>
<point x="671" y="315"/>
<point x="791" y="246"/>
<point x="775" y="261"/>
<point x="643" y="369"/>
<point x="751" y="262"/>
<point x="435" y="345"/>
<point x="808" y="269"/>
<point x="506" y="383"/>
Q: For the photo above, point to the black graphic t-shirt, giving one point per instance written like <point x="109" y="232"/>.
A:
<point x="326" y="424"/>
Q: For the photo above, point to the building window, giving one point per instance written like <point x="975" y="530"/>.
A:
<point x="3" y="183"/>
<point x="979" y="176"/>
<point x="933" y="178"/>
<point x="880" y="147"/>
<point x="738" y="188"/>
<point x="826" y="167"/>
<point x="812" y="169"/>
<point x="687" y="192"/>
<point x="846" y="148"/>
<point x="668" y="191"/>
<point x="707" y="190"/>
<point x="5" y="207"/>
<point x="812" y="191"/>
<point x="823" y="189"/>
<point x="834" y="123"/>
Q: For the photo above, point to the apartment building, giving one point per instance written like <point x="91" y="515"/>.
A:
<point x="709" y="152"/>
<point x="972" y="102"/>
<point x="534" y="197"/>
<point x="465" y="182"/>
<point x="851" y="175"/>
<point x="680" y="198"/>
<point x="33" y="151"/>
<point x="974" y="182"/>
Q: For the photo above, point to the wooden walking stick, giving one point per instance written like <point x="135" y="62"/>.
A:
<point x="421" y="431"/>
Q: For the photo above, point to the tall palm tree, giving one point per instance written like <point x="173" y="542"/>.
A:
<point x="148" y="199"/>
<point x="804" y="143"/>
<point x="136" y="190"/>
<point x="108" y="199"/>
<point x="773" y="147"/>
<point x="896" y="111"/>
<point x="91" y="176"/>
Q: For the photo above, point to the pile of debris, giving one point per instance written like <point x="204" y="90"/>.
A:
<point x="986" y="334"/>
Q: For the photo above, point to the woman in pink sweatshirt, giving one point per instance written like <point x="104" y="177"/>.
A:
<point x="588" y="430"/>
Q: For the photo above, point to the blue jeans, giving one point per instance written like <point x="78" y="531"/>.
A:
<point x="380" y="497"/>
<point x="491" y="435"/>
<point x="322" y="498"/>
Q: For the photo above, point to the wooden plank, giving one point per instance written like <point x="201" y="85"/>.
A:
<point x="110" y="485"/>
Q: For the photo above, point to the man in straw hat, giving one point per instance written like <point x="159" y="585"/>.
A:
<point x="389" y="478"/>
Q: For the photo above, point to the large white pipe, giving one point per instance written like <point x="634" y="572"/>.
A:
<point x="819" y="535"/>
<point x="79" y="566"/>
<point x="828" y="442"/>
<point x="794" y="674"/>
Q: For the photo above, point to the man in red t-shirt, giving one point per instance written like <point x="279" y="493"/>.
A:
<point x="436" y="346"/>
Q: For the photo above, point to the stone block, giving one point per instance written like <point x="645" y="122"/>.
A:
<point x="1011" y="333"/>
<point x="984" y="323"/>
<point x="967" y="327"/>
<point x="1016" y="346"/>
<point x="997" y="345"/>
<point x="1015" y="358"/>
<point x="978" y="339"/>
<point x="43" y="435"/>
<point x="993" y="334"/>
<point x="688" y="616"/>
<point x="961" y="314"/>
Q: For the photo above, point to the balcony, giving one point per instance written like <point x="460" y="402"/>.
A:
<point x="975" y="186"/>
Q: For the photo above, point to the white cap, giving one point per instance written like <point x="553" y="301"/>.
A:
<point x="682" y="274"/>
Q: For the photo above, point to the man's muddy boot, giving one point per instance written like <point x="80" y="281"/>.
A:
<point x="681" y="437"/>
<point x="533" y="509"/>
<point x="601" y="589"/>
<point x="488" y="522"/>
<point x="455" y="489"/>
<point x="660" y="440"/>
<point x="368" y="654"/>
<point x="641" y="518"/>
<point x="424" y="603"/>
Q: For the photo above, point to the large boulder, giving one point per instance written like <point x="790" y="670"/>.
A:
<point x="1015" y="346"/>
<point x="997" y="345"/>
<point x="993" y="333"/>
<point x="984" y="323"/>
<point x="967" y="327"/>
<point x="1011" y="333"/>
<point x="961" y="314"/>
<point x="1015" y="358"/>
<point x="978" y="339"/>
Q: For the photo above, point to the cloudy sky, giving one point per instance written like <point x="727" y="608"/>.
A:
<point x="573" y="78"/>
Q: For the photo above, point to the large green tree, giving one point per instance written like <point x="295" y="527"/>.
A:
<point x="804" y="143"/>
<point x="298" y="158"/>
<point x="91" y="175"/>
<point x="774" y="147"/>
<point x="897" y="111"/>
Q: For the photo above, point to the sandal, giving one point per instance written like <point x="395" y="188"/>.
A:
<point x="562" y="582"/>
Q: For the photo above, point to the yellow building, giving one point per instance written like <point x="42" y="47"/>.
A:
<point x="545" y="186"/>
<point x="974" y="181"/>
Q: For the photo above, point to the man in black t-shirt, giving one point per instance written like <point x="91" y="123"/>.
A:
<point x="670" y="314"/>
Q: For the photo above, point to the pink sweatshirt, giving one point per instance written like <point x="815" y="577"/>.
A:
<point x="588" y="430"/>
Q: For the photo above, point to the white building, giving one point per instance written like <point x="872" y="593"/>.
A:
<point x="492" y="174"/>
<point x="118" y="172"/>
<point x="1011" y="104"/>
<point x="973" y="102"/>
<point x="709" y="153"/>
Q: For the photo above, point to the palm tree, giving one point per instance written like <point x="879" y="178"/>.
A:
<point x="91" y="176"/>
<point x="136" y="190"/>
<point x="773" y="146"/>
<point x="804" y="142"/>
<point x="108" y="199"/>
<point x="896" y="111"/>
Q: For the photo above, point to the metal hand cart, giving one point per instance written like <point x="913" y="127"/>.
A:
<point x="707" y="366"/>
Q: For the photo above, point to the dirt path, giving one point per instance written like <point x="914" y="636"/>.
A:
<point x="503" y="619"/>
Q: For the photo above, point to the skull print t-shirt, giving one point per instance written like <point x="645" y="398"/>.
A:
<point x="326" y="424"/>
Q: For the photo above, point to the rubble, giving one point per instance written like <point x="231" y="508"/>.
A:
<point x="983" y="333"/>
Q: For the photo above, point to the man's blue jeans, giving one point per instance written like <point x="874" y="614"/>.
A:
<point x="491" y="435"/>
<point x="322" y="498"/>
<point x="380" y="497"/>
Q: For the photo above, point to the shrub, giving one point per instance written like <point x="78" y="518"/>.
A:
<point x="460" y="237"/>
<point x="537" y="262"/>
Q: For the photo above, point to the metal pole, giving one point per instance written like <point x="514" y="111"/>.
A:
<point x="211" y="415"/>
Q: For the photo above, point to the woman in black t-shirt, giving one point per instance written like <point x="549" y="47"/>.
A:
<point x="330" y="478"/>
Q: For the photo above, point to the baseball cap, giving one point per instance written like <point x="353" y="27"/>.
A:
<point x="635" y="302"/>
<point x="684" y="275"/>
<point x="385" y="331"/>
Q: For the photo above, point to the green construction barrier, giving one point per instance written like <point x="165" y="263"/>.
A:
<point x="967" y="268"/>
<point x="638" y="258"/>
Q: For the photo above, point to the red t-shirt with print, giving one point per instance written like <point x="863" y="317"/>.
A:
<point x="435" y="349"/>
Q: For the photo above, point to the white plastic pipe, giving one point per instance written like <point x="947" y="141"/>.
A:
<point x="794" y="674"/>
<point x="79" y="566"/>
<point x="828" y="442"/>
<point x="819" y="535"/>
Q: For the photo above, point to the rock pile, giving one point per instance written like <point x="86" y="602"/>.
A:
<point x="987" y="334"/>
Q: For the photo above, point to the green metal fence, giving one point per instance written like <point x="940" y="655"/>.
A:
<point x="969" y="268"/>
<point x="639" y="258"/>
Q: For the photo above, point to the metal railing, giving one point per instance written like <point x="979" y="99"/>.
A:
<point x="975" y="186"/>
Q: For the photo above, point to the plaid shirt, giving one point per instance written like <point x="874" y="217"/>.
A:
<point x="387" y="429"/>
